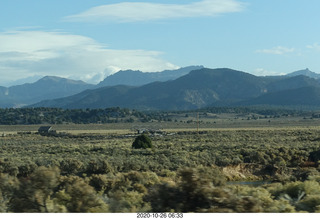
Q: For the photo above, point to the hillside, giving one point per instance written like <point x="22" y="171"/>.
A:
<point x="304" y="96"/>
<point x="3" y="91"/>
<point x="305" y="72"/>
<point x="48" y="87"/>
<point x="98" y="98"/>
<point x="289" y="83"/>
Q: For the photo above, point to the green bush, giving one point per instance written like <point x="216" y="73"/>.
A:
<point x="142" y="142"/>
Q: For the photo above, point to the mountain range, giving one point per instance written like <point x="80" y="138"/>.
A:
<point x="202" y="87"/>
<point x="51" y="87"/>
<point x="138" y="78"/>
<point x="305" y="72"/>
<point x="48" y="87"/>
<point x="182" y="89"/>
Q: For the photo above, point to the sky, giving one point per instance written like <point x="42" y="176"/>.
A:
<point x="91" y="39"/>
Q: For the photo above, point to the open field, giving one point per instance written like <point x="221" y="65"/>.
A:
<point x="95" y="169"/>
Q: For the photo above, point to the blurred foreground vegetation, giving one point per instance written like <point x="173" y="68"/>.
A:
<point x="184" y="171"/>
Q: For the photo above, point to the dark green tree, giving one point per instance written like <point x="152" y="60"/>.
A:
<point x="142" y="142"/>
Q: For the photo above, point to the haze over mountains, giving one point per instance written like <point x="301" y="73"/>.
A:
<point x="202" y="87"/>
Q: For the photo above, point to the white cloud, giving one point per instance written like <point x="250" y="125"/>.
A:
<point x="144" y="11"/>
<point x="264" y="72"/>
<point x="279" y="50"/>
<point x="26" y="53"/>
<point x="315" y="46"/>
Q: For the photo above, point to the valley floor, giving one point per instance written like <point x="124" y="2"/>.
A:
<point x="227" y="165"/>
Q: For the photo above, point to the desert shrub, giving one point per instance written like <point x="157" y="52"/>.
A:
<point x="142" y="142"/>
<point x="128" y="190"/>
<point x="99" y="167"/>
<point x="310" y="204"/>
<point x="3" y="203"/>
<point x="71" y="166"/>
<point x="314" y="156"/>
<point x="34" y="192"/>
<point x="10" y="167"/>
<point x="127" y="202"/>
<point x="77" y="196"/>
<point x="306" y="174"/>
<point x="100" y="182"/>
<point x="280" y="162"/>
<point x="164" y="197"/>
<point x="134" y="181"/>
<point x="292" y="191"/>
<point x="26" y="169"/>
<point x="192" y="192"/>
<point x="303" y="196"/>
<point x="167" y="173"/>
<point x="209" y="175"/>
<point x="8" y="184"/>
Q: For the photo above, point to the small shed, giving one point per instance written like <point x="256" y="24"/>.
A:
<point x="45" y="130"/>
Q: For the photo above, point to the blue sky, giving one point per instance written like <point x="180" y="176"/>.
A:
<point x="90" y="39"/>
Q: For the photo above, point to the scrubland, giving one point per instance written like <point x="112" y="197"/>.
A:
<point x="247" y="167"/>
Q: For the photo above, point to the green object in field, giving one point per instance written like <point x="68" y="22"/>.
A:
<point x="142" y="142"/>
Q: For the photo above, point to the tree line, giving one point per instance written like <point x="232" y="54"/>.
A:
<point x="42" y="115"/>
<point x="26" y="116"/>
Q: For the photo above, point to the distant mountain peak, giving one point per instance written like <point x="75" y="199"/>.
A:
<point x="56" y="79"/>
<point x="138" y="78"/>
<point x="48" y="87"/>
<point x="305" y="72"/>
<point x="129" y="70"/>
<point x="51" y="78"/>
